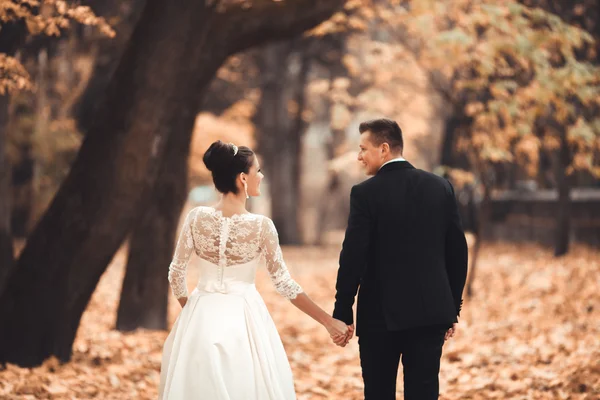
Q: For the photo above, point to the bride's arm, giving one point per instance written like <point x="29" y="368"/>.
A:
<point x="338" y="330"/>
<point x="287" y="287"/>
<point x="181" y="257"/>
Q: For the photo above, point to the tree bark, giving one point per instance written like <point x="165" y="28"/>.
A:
<point x="143" y="302"/>
<point x="173" y="54"/>
<point x="21" y="190"/>
<point x="40" y="130"/>
<point x="144" y="296"/>
<point x="109" y="52"/>
<point x="12" y="35"/>
<point x="6" y="245"/>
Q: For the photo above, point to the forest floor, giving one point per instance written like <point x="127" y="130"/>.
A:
<point x="531" y="331"/>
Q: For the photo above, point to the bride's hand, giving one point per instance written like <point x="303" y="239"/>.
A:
<point x="338" y="331"/>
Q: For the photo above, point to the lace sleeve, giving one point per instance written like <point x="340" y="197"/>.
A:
<point x="183" y="251"/>
<point x="280" y="276"/>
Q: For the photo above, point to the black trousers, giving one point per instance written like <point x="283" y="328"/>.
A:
<point x="420" y="349"/>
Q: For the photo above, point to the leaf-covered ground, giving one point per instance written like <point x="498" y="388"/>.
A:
<point x="531" y="331"/>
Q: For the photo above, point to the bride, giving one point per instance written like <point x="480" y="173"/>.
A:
<point x="224" y="344"/>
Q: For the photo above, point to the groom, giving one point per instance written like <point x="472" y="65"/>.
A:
<point x="406" y="249"/>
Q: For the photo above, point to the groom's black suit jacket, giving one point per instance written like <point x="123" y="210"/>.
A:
<point x="405" y="247"/>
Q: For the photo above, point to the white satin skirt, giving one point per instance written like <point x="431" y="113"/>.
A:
<point x="225" y="346"/>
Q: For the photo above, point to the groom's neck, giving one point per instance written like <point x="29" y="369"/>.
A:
<point x="391" y="157"/>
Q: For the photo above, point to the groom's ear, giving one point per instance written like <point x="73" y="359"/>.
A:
<point x="385" y="148"/>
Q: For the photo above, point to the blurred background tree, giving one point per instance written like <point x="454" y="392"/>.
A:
<point x="526" y="83"/>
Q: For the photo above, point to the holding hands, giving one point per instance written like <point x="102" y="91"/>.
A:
<point x="339" y="332"/>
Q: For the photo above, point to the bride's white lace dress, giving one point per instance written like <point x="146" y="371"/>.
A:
<point x="224" y="344"/>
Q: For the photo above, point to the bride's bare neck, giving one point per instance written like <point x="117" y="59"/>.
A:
<point x="231" y="204"/>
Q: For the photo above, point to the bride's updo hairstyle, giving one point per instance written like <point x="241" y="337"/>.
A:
<point x="225" y="164"/>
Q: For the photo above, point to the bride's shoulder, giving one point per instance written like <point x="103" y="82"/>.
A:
<point x="261" y="217"/>
<point x="266" y="223"/>
<point x="263" y="220"/>
<point x="200" y="211"/>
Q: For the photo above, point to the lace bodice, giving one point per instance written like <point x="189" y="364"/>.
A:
<point x="227" y="242"/>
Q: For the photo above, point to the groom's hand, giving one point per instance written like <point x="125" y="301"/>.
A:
<point x="450" y="333"/>
<point x="342" y="341"/>
<point x="350" y="332"/>
<point x="339" y="332"/>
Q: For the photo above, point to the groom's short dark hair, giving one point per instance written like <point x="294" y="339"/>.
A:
<point x="384" y="130"/>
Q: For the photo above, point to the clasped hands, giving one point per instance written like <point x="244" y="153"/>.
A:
<point x="339" y="332"/>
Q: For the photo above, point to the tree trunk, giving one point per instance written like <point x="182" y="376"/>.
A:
<point x="173" y="54"/>
<point x="280" y="135"/>
<point x="454" y="125"/>
<point x="481" y="224"/>
<point x="274" y="144"/>
<point x="40" y="131"/>
<point x="325" y="207"/>
<point x="144" y="296"/>
<point x="6" y="246"/>
<point x="22" y="172"/>
<point x="450" y="129"/>
<point x="299" y="125"/>
<point x="563" y="217"/>
<point x="333" y="182"/>
<point x="109" y="52"/>
<point x="12" y="35"/>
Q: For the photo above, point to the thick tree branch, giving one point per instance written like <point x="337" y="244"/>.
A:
<point x="267" y="20"/>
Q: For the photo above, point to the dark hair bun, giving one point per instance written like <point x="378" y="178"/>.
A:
<point x="225" y="164"/>
<point x="218" y="156"/>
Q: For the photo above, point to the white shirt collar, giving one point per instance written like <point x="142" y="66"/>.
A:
<point x="393" y="160"/>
